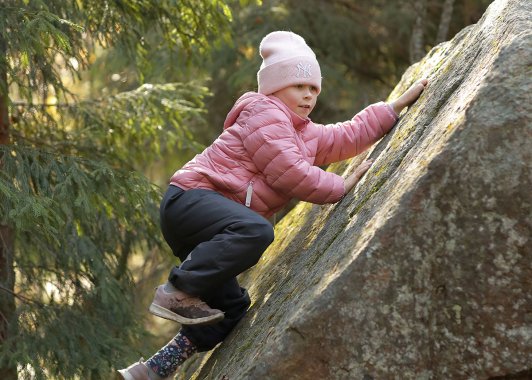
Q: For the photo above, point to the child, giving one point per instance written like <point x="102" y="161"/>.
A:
<point x="214" y="213"/>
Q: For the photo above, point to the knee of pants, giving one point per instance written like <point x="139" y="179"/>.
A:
<point x="262" y="235"/>
<point x="263" y="231"/>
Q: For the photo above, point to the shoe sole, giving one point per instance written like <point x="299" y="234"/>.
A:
<point x="125" y="374"/>
<point x="170" y="315"/>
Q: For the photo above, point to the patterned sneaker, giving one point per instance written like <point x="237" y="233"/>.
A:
<point x="171" y="303"/>
<point x="138" y="371"/>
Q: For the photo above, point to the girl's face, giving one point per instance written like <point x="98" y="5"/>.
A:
<point x="300" y="98"/>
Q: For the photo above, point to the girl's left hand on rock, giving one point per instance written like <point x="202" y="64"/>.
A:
<point x="409" y="96"/>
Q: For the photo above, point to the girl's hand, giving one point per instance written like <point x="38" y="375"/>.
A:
<point x="353" y="179"/>
<point x="409" y="96"/>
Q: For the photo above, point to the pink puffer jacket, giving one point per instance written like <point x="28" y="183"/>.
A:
<point x="267" y="154"/>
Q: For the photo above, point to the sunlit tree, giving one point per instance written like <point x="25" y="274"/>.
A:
<point x="73" y="207"/>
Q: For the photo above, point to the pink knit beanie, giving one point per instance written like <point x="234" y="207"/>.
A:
<point x="287" y="60"/>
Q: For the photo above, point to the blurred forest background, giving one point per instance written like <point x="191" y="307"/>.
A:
<point x="101" y="101"/>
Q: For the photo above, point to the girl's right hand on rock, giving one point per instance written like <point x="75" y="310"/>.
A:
<point x="353" y="179"/>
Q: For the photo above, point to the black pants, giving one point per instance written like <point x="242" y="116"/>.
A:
<point x="216" y="239"/>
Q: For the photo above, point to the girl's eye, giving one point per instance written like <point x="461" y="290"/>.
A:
<point x="313" y="89"/>
<point x="300" y="86"/>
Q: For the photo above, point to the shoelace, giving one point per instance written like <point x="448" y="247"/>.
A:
<point x="195" y="301"/>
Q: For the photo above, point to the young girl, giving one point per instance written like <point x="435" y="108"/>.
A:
<point x="214" y="214"/>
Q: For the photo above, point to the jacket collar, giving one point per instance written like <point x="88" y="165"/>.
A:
<point x="297" y="121"/>
<point x="249" y="97"/>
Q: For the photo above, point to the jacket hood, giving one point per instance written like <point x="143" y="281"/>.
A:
<point x="240" y="104"/>
<point x="250" y="97"/>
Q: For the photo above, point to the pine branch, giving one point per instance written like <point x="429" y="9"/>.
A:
<point x="20" y="296"/>
<point x="24" y="104"/>
<point x="148" y="121"/>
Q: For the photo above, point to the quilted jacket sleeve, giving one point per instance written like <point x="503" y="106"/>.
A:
<point x="337" y="142"/>
<point x="271" y="143"/>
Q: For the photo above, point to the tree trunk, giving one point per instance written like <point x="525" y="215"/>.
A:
<point x="416" y="40"/>
<point x="7" y="300"/>
<point x="445" y="21"/>
<point x="4" y="116"/>
<point x="7" y="243"/>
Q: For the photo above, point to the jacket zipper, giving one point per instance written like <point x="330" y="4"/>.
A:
<point x="249" y="194"/>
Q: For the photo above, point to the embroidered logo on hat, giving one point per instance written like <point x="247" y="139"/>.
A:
<point x="303" y="70"/>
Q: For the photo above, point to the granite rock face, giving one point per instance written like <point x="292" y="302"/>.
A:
<point x="424" y="271"/>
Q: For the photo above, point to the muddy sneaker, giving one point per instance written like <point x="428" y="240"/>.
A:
<point x="138" y="371"/>
<point x="171" y="303"/>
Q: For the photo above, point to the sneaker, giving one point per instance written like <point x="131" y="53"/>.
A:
<point x="171" y="303"/>
<point x="137" y="371"/>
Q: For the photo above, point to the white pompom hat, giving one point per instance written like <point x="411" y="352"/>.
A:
<point x="287" y="60"/>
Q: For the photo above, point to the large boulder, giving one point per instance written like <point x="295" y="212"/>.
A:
<point x="424" y="270"/>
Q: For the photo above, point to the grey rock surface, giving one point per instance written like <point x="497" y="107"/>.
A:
<point x="424" y="270"/>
